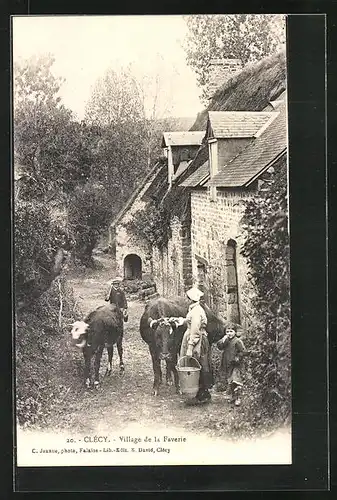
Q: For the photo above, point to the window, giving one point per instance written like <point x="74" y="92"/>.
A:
<point x="184" y="156"/>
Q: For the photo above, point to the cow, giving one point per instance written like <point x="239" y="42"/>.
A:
<point x="164" y="337"/>
<point x="101" y="328"/>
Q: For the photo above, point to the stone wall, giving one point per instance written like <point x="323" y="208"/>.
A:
<point x="127" y="243"/>
<point x="217" y="264"/>
<point x="172" y="267"/>
<point x="220" y="71"/>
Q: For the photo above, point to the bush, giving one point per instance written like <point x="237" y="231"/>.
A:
<point x="36" y="240"/>
<point x="268" y="338"/>
<point x="89" y="213"/>
<point x="38" y="356"/>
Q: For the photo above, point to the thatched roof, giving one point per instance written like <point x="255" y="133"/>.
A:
<point x="159" y="184"/>
<point x="250" y="90"/>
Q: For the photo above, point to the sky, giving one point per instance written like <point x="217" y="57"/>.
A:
<point x="85" y="46"/>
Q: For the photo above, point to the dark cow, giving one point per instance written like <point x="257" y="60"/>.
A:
<point x="103" y="327"/>
<point x="164" y="337"/>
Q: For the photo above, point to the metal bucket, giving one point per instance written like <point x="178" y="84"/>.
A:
<point x="189" y="373"/>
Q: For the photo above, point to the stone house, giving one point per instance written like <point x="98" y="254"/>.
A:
<point x="133" y="254"/>
<point x="243" y="148"/>
<point x="205" y="198"/>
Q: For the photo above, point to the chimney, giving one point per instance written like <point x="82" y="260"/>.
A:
<point x="220" y="71"/>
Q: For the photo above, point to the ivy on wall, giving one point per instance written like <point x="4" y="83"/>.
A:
<point x="266" y="248"/>
<point x="151" y="224"/>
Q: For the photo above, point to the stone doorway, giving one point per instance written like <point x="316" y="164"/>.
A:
<point x="132" y="267"/>
<point x="232" y="298"/>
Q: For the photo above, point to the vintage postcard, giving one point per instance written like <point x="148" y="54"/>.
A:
<point x="151" y="240"/>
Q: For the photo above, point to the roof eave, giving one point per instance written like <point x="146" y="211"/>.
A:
<point x="202" y="183"/>
<point x="243" y="136"/>
<point x="248" y="182"/>
<point x="270" y="164"/>
<point x="221" y="185"/>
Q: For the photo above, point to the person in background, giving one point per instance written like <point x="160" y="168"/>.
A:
<point x="232" y="361"/>
<point x="195" y="343"/>
<point x="117" y="296"/>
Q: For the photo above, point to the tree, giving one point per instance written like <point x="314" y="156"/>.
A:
<point x="52" y="148"/>
<point x="37" y="240"/>
<point x="248" y="37"/>
<point x="155" y="82"/>
<point x="89" y="213"/>
<point x="54" y="154"/>
<point x="115" y="109"/>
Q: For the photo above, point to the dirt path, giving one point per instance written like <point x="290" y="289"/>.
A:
<point x="125" y="402"/>
<point x="128" y="398"/>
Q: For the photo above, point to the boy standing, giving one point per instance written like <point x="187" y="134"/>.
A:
<point x="117" y="296"/>
<point x="232" y="361"/>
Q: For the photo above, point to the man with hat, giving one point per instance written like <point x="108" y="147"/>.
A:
<point x="195" y="342"/>
<point x="116" y="296"/>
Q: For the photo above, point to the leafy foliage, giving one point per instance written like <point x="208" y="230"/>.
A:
<point x="40" y="350"/>
<point x="53" y="149"/>
<point x="115" y="108"/>
<point x="267" y="250"/>
<point x="248" y="37"/>
<point x="37" y="239"/>
<point x="151" y="225"/>
<point x="88" y="214"/>
<point x="45" y="138"/>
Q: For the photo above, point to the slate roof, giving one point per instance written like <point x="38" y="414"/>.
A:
<point x="197" y="177"/>
<point x="181" y="169"/>
<point x="250" y="90"/>
<point x="200" y="158"/>
<point x="237" y="124"/>
<point x="257" y="156"/>
<point x="182" y="138"/>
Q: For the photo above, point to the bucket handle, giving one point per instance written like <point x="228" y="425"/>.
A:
<point x="189" y="357"/>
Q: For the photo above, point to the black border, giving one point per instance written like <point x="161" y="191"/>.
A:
<point x="306" y="68"/>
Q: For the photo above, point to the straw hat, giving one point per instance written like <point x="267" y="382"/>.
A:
<point x="118" y="279"/>
<point x="194" y="294"/>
